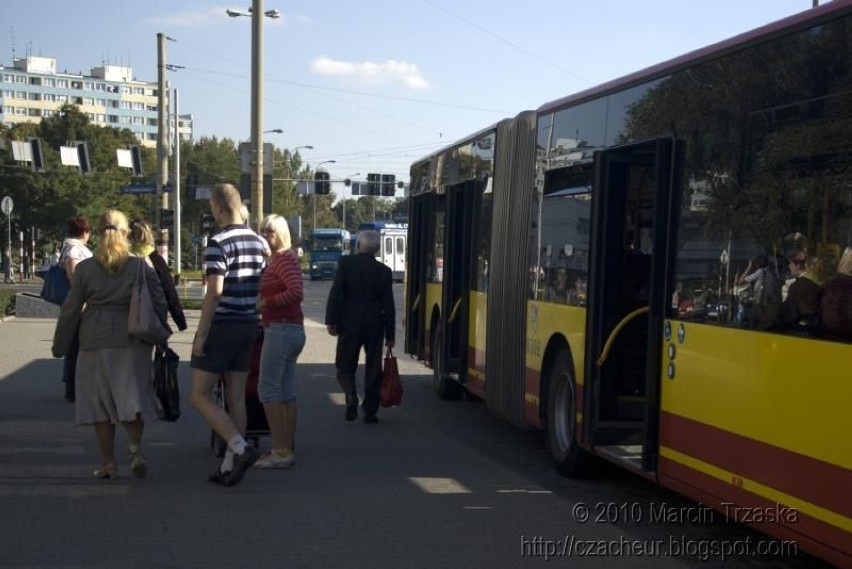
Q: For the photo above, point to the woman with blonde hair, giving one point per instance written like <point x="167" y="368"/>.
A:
<point x="113" y="369"/>
<point x="836" y="303"/>
<point x="142" y="245"/>
<point x="280" y="306"/>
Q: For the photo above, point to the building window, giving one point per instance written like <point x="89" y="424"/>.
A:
<point x="8" y="78"/>
<point x="20" y="95"/>
<point x="138" y="91"/>
<point x="138" y="106"/>
<point x="125" y="90"/>
<point x="47" y="113"/>
<point x="88" y="101"/>
<point x="101" y="118"/>
<point x="35" y="97"/>
<point x="35" y="80"/>
<point x="76" y="84"/>
<point x="62" y="98"/>
<point x="21" y="111"/>
<point x="20" y="79"/>
<point x="88" y="86"/>
<point x="112" y="118"/>
<point x="99" y="86"/>
<point x="49" y="82"/>
<point x="62" y="83"/>
<point x="34" y="112"/>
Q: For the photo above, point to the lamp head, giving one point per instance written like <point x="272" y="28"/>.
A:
<point x="274" y="14"/>
<point x="233" y="13"/>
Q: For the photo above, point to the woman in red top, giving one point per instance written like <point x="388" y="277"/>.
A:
<point x="279" y="304"/>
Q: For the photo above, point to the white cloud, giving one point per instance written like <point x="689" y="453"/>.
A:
<point x="390" y="71"/>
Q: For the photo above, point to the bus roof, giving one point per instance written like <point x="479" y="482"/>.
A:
<point x="791" y="23"/>
<point x="460" y="141"/>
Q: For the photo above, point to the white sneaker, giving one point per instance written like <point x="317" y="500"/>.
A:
<point x="273" y="459"/>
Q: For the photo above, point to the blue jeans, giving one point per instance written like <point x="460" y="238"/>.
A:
<point x="282" y="344"/>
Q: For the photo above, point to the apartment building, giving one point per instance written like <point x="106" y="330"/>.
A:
<point x="33" y="89"/>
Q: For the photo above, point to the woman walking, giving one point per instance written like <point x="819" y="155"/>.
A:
<point x="113" y="369"/>
<point x="142" y="245"/>
<point x="73" y="251"/>
<point x="280" y="305"/>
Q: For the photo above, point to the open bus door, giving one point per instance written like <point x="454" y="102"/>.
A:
<point x="633" y="239"/>
<point x="420" y="212"/>
<point x="453" y="331"/>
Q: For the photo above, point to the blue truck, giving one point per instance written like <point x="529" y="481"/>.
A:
<point x="325" y="247"/>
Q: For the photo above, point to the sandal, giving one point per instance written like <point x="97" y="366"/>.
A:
<point x="107" y="471"/>
<point x="137" y="463"/>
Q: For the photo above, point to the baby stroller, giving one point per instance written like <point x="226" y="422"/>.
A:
<point x="256" y="424"/>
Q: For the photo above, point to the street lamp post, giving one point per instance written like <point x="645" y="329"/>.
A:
<point x="256" y="13"/>
<point x="314" y="226"/>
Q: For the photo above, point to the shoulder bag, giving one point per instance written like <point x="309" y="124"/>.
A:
<point x="56" y="286"/>
<point x="143" y="322"/>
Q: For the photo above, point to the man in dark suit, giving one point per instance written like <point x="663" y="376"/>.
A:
<point x="360" y="312"/>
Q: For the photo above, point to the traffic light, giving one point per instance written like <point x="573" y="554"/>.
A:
<point x="167" y="218"/>
<point x="388" y="181"/>
<point x="83" y="155"/>
<point x="208" y="223"/>
<point x="373" y="181"/>
<point x="357" y="188"/>
<point x="136" y="158"/>
<point x="321" y="183"/>
<point x="38" y="154"/>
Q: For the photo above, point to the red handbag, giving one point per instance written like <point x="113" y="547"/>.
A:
<point x="391" y="394"/>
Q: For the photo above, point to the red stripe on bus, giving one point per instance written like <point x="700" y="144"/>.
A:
<point x="820" y="538"/>
<point x="812" y="480"/>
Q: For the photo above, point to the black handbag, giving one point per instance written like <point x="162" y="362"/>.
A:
<point x="166" y="382"/>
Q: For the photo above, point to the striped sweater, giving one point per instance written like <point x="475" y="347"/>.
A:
<point x="281" y="289"/>
<point x="236" y="253"/>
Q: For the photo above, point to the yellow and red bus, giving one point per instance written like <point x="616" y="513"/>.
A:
<point x="653" y="271"/>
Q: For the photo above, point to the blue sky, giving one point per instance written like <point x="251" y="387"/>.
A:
<point x="376" y="84"/>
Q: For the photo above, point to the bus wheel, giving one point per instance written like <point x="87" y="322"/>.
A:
<point x="445" y="387"/>
<point x="570" y="459"/>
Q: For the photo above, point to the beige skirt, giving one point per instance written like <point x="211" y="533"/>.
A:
<point x="114" y="385"/>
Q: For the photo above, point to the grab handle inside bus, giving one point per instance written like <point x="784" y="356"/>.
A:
<point x="455" y="311"/>
<point x="618" y="328"/>
<point x="415" y="303"/>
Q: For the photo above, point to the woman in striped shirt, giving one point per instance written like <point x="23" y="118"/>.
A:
<point x="280" y="306"/>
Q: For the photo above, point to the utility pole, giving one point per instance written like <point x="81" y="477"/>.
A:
<point x="162" y="199"/>
<point x="257" y="112"/>
<point x="177" y="186"/>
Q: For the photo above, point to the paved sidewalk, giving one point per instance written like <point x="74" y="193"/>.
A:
<point x="357" y="491"/>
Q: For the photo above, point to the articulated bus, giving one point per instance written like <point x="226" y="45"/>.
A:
<point x="656" y="272"/>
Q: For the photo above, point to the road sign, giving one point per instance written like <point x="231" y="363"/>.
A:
<point x="6" y="205"/>
<point x="136" y="188"/>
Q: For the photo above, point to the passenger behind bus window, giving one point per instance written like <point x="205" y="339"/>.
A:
<point x="836" y="303"/>
<point x="801" y="308"/>
<point x="759" y="295"/>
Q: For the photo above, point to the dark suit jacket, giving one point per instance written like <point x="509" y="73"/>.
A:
<point x="361" y="299"/>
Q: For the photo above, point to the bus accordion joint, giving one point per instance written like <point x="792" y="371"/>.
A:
<point x="455" y="311"/>
<point x="612" y="335"/>
<point x="415" y="303"/>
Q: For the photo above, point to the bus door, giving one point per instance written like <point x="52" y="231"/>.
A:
<point x="631" y="249"/>
<point x="421" y="211"/>
<point x="455" y="302"/>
